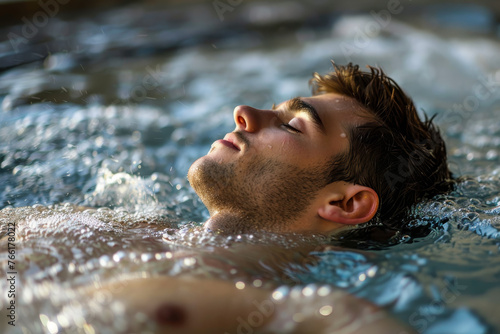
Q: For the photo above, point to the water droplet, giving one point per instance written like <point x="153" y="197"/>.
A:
<point x="52" y="327"/>
<point x="146" y="257"/>
<point x="277" y="295"/>
<point x="104" y="261"/>
<point x="27" y="296"/>
<point x="326" y="310"/>
<point x="308" y="291"/>
<point x="44" y="319"/>
<point x="118" y="256"/>
<point x="324" y="291"/>
<point x="189" y="261"/>
<point x="372" y="271"/>
<point x="63" y="321"/>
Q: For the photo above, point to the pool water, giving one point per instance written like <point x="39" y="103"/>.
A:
<point x="111" y="118"/>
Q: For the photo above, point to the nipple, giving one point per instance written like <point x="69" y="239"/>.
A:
<point x="172" y="315"/>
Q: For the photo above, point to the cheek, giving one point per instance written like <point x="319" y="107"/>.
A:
<point x="283" y="146"/>
<point x="293" y="150"/>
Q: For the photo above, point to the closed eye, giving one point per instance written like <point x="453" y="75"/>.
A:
<point x="290" y="128"/>
<point x="296" y="105"/>
<point x="286" y="125"/>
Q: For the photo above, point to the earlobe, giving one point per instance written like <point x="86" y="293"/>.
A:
<point x="357" y="205"/>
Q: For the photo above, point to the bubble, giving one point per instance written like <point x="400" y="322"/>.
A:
<point x="257" y="283"/>
<point x="105" y="261"/>
<point x="492" y="155"/>
<point x="44" y="319"/>
<point x="326" y="310"/>
<point x="324" y="291"/>
<point x="308" y="291"/>
<point x="406" y="238"/>
<point x="52" y="327"/>
<point x="28" y="296"/>
<point x="371" y="272"/>
<point x="118" y="256"/>
<point x="62" y="320"/>
<point x="146" y="257"/>
<point x="280" y="293"/>
<point x="240" y="285"/>
<point x="189" y="261"/>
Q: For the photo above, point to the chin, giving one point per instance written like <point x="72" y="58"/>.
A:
<point x="211" y="180"/>
<point x="193" y="168"/>
<point x="195" y="171"/>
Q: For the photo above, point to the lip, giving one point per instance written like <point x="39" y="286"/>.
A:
<point x="227" y="144"/>
<point x="230" y="141"/>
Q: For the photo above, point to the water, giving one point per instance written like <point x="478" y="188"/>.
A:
<point x="124" y="102"/>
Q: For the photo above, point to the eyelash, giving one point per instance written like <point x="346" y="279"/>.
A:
<point x="286" y="125"/>
<point x="290" y="128"/>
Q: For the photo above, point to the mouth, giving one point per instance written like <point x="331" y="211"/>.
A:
<point x="231" y="141"/>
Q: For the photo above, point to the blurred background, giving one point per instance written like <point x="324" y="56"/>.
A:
<point x="168" y="25"/>
<point x="93" y="87"/>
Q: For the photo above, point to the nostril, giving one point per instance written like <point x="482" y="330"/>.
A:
<point x="242" y="121"/>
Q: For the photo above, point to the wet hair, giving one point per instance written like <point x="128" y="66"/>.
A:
<point x="393" y="152"/>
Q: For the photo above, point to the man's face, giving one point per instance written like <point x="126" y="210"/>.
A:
<point x="266" y="173"/>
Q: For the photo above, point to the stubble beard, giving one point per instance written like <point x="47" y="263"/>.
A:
<point x="267" y="195"/>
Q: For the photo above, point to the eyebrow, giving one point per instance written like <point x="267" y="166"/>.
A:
<point x="296" y="104"/>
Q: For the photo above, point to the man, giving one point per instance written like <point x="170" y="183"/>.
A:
<point x="353" y="151"/>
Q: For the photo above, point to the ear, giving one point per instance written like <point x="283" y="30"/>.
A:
<point x="349" y="204"/>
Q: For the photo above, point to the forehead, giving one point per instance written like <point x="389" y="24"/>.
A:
<point x="335" y="102"/>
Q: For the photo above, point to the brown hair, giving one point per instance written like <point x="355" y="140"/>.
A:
<point x="396" y="154"/>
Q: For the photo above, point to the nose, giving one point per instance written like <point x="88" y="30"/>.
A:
<point x="251" y="119"/>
